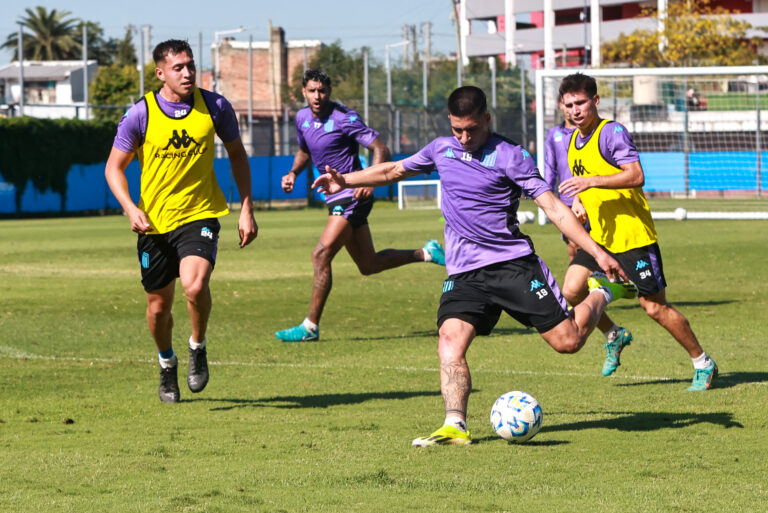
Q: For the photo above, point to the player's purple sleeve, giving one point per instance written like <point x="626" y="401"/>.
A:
<point x="616" y="144"/>
<point x="523" y="171"/>
<point x="550" y="162"/>
<point x="131" y="129"/>
<point x="359" y="131"/>
<point x="223" y="115"/>
<point x="422" y="161"/>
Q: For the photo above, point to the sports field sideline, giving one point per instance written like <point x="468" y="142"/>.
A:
<point x="327" y="426"/>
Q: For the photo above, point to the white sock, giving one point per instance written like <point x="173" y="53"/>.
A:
<point x="311" y="326"/>
<point x="606" y="292"/>
<point x="456" y="422"/>
<point x="197" y="345"/>
<point x="168" y="362"/>
<point x="701" y="362"/>
<point x="610" y="335"/>
<point x="427" y="255"/>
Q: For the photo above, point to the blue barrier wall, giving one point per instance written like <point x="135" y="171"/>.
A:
<point x="87" y="187"/>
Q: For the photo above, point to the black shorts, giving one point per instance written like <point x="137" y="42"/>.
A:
<point x="642" y="265"/>
<point x="160" y="254"/>
<point x="524" y="288"/>
<point x="353" y="210"/>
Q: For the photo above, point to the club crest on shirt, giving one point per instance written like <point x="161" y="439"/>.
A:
<point x="558" y="136"/>
<point x="489" y="158"/>
<point x="328" y="126"/>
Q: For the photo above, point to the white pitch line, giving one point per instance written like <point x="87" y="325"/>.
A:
<point x="13" y="353"/>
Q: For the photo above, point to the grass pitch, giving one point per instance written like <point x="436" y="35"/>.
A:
<point x="327" y="426"/>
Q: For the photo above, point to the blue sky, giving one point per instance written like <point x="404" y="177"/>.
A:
<point x="355" y="23"/>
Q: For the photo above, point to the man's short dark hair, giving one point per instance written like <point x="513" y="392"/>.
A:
<point x="578" y="82"/>
<point x="171" y="47"/>
<point x="467" y="101"/>
<point x="316" y="75"/>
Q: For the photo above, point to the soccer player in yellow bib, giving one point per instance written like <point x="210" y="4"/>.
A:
<point x="172" y="132"/>
<point x="608" y="179"/>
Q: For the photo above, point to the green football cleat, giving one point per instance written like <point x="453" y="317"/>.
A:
<point x="618" y="289"/>
<point x="446" y="435"/>
<point x="702" y="379"/>
<point x="435" y="251"/>
<point x="613" y="350"/>
<point x="298" y="334"/>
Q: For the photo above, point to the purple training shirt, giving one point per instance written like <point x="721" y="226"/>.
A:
<point x="334" y="140"/>
<point x="133" y="125"/>
<point x="556" y="169"/>
<point x="616" y="144"/>
<point x="481" y="194"/>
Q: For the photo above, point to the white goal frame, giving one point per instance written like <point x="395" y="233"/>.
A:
<point x="543" y="96"/>
<point x="401" y="184"/>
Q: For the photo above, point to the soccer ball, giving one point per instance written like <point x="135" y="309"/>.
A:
<point x="516" y="416"/>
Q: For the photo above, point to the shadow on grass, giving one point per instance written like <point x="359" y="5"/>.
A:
<point x="530" y="443"/>
<point x="315" y="401"/>
<point x="497" y="332"/>
<point x="724" y="380"/>
<point x="648" y="421"/>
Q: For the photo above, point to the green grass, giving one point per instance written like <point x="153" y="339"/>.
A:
<point x="327" y="426"/>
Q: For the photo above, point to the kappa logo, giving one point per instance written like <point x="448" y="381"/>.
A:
<point x="305" y="124"/>
<point x="206" y="232"/>
<point x="536" y="285"/>
<point x="526" y="154"/>
<point x="579" y="169"/>
<point x="641" y="264"/>
<point x="352" y="118"/>
<point x="449" y="154"/>
<point x="178" y="141"/>
<point x="337" y="210"/>
<point x="618" y="129"/>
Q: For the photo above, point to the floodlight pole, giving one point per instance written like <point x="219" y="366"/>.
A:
<point x="216" y="65"/>
<point x="85" y="68"/>
<point x="389" y="69"/>
<point x="21" y="69"/>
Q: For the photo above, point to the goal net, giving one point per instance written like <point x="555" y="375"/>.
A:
<point x="419" y="194"/>
<point x="699" y="131"/>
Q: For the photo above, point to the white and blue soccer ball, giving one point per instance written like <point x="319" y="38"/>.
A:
<point x="516" y="416"/>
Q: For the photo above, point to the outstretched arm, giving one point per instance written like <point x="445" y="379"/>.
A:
<point x="380" y="174"/>
<point x="241" y="171"/>
<point x="562" y="217"/>
<point x="380" y="154"/>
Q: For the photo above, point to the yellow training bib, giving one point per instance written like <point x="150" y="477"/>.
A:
<point x="178" y="184"/>
<point x="620" y="219"/>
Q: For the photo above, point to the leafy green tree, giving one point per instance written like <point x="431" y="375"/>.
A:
<point x="126" y="51"/>
<point x="118" y="86"/>
<point x="695" y="34"/>
<point x="53" y="36"/>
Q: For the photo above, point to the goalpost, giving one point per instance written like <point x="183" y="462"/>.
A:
<point x="419" y="194"/>
<point x="699" y="131"/>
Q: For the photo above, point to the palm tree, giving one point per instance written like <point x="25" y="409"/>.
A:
<point x="54" y="36"/>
